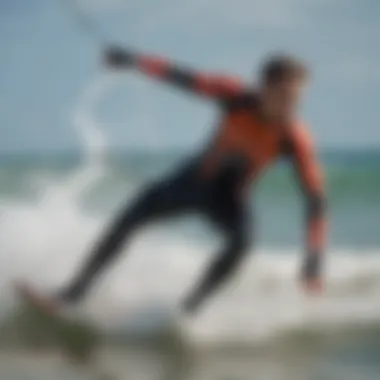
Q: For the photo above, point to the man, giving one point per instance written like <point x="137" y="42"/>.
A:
<point x="258" y="126"/>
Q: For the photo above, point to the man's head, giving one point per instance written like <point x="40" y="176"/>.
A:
<point x="283" y="79"/>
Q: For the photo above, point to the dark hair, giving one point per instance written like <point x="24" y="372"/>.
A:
<point x="280" y="67"/>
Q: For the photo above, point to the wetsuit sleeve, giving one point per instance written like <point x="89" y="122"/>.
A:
<point x="310" y="176"/>
<point x="209" y="85"/>
<point x="212" y="86"/>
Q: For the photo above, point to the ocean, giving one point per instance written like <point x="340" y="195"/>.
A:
<point x="261" y="326"/>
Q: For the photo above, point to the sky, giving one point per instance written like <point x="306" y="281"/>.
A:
<point x="48" y="60"/>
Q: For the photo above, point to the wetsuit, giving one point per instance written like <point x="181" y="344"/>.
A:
<point x="215" y="182"/>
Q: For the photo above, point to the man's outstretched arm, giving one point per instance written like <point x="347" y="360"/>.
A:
<point x="212" y="86"/>
<point x="310" y="176"/>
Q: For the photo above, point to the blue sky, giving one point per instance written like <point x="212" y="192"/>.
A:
<point x="47" y="61"/>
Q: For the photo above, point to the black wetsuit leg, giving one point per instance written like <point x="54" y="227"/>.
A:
<point x="230" y="215"/>
<point x="217" y="199"/>
<point x="177" y="194"/>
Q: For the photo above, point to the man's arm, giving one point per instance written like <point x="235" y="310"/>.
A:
<point x="212" y="86"/>
<point x="310" y="176"/>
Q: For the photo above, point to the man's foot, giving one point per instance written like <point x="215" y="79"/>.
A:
<point x="43" y="303"/>
<point x="313" y="286"/>
<point x="70" y="295"/>
<point x="191" y="305"/>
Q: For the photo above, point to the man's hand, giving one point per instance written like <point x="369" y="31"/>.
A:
<point x="313" y="286"/>
<point x="310" y="275"/>
<point x="118" y="58"/>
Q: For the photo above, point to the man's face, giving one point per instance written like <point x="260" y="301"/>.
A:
<point x="281" y="100"/>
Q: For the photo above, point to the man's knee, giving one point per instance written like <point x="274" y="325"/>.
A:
<point x="147" y="204"/>
<point x="236" y="249"/>
<point x="150" y="195"/>
<point x="239" y="243"/>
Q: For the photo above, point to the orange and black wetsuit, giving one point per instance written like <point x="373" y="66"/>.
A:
<point x="212" y="183"/>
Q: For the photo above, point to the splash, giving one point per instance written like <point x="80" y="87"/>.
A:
<point x="41" y="237"/>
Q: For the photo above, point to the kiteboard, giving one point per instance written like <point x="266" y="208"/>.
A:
<point x="81" y="343"/>
<point x="76" y="340"/>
